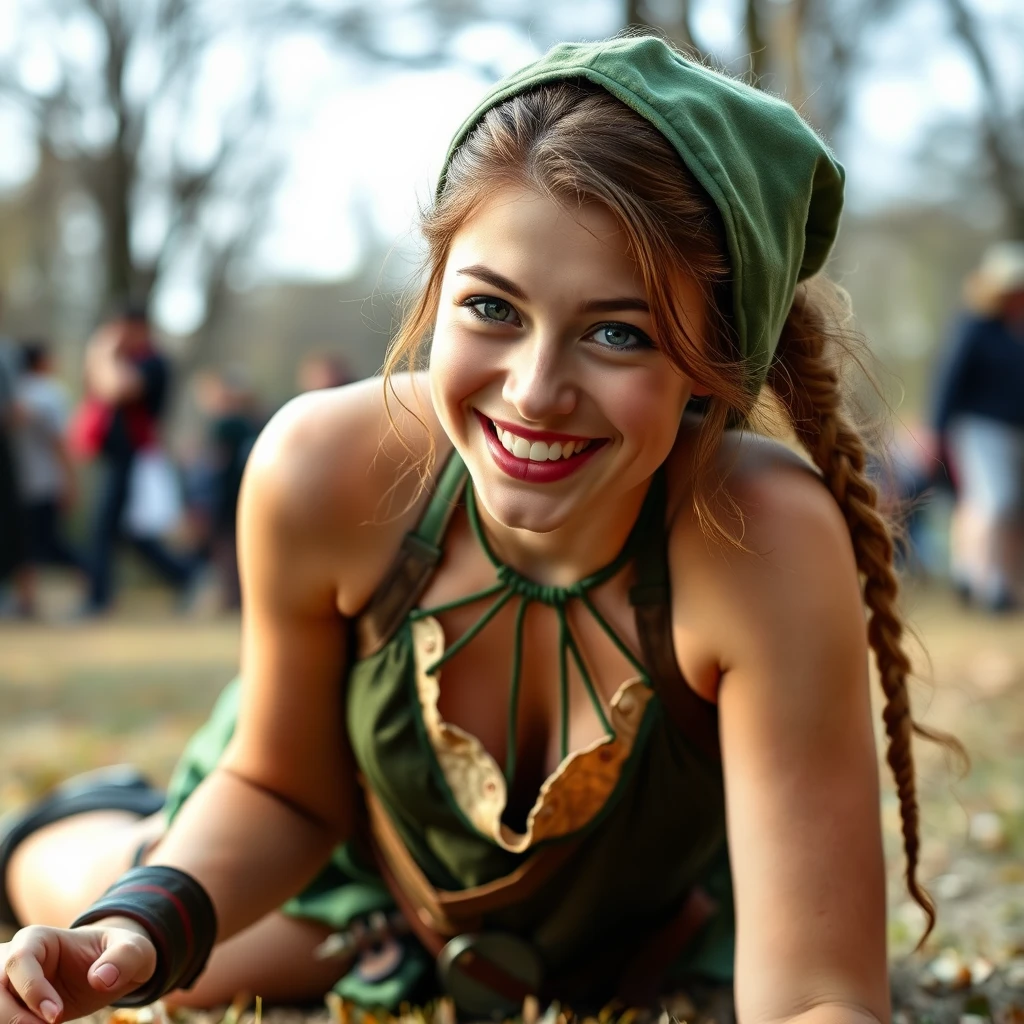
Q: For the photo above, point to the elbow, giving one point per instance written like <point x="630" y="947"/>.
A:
<point x="826" y="1011"/>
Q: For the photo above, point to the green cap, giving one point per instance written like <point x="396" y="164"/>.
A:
<point x="776" y="184"/>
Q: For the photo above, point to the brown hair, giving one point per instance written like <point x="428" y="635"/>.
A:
<point x="575" y="143"/>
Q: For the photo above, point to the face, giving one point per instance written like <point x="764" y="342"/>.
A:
<point x="545" y="369"/>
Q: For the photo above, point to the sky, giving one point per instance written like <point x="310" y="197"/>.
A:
<point x="364" y="144"/>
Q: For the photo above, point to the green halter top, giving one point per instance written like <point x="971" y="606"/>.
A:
<point x="510" y="585"/>
<point x="646" y="804"/>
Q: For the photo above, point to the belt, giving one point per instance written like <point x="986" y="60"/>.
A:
<point x="488" y="971"/>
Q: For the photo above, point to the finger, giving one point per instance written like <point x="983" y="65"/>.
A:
<point x="27" y="952"/>
<point x="13" y="1012"/>
<point x="125" y="964"/>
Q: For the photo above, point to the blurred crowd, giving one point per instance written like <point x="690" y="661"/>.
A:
<point x="970" y="451"/>
<point x="175" y="511"/>
<point x="178" y="513"/>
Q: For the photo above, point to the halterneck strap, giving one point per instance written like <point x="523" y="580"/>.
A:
<point x="413" y="565"/>
<point x="651" y="598"/>
<point x="443" y="502"/>
<point x="511" y="585"/>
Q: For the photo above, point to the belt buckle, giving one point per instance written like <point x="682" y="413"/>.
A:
<point x="488" y="974"/>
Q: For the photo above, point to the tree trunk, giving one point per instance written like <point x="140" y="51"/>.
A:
<point x="757" y="48"/>
<point x="634" y="15"/>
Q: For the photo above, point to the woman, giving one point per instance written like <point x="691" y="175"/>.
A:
<point x="484" y="552"/>
<point x="979" y="420"/>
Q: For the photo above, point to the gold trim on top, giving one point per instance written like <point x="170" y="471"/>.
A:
<point x="570" y="797"/>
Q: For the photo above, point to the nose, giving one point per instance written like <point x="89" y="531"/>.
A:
<point x="538" y="382"/>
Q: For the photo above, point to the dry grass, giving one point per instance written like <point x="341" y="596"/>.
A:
<point x="132" y="690"/>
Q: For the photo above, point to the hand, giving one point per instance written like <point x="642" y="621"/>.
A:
<point x="58" y="974"/>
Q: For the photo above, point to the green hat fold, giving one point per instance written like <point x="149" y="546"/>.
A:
<point x="776" y="184"/>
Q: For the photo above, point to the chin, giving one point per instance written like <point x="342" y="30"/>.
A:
<point x="519" y="510"/>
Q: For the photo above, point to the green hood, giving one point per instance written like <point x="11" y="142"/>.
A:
<point x="777" y="185"/>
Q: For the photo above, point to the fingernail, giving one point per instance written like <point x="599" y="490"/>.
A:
<point x="49" y="1009"/>
<point x="108" y="974"/>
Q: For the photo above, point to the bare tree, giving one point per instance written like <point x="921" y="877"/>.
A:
<point x="125" y="118"/>
<point x="1001" y="126"/>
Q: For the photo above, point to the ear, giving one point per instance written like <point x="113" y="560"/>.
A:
<point x="699" y="391"/>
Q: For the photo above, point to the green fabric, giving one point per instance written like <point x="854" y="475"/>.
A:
<point x="512" y="584"/>
<point x="661" y="831"/>
<point x="776" y="184"/>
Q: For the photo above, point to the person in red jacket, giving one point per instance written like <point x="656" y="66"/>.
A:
<point x="128" y="381"/>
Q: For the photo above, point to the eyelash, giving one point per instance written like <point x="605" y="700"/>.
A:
<point x="643" y="341"/>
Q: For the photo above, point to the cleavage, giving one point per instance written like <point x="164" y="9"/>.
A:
<point x="475" y="689"/>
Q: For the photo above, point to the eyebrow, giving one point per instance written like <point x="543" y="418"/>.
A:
<point x="492" y="277"/>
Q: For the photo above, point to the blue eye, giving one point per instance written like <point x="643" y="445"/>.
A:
<point x="621" y="337"/>
<point x="494" y="310"/>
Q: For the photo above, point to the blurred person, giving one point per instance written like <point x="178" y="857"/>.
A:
<point x="319" y="370"/>
<point x="233" y="422"/>
<point x="539" y="666"/>
<point x="12" y="524"/>
<point x="978" y="421"/>
<point x="127" y="382"/>
<point x="46" y="473"/>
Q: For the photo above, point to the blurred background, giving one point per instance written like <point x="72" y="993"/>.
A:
<point x="207" y="206"/>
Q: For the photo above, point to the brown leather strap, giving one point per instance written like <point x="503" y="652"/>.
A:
<point x="646" y="965"/>
<point x="651" y="597"/>
<point x="413" y="565"/>
<point x="453" y="912"/>
<point x="472" y="964"/>
<point x="397" y="594"/>
<point x="641" y="982"/>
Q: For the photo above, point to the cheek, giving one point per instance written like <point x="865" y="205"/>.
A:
<point x="457" y="368"/>
<point x="649" y="407"/>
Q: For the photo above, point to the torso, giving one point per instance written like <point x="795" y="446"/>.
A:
<point x="474" y="693"/>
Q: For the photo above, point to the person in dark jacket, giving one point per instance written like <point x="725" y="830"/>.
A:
<point x="978" y="418"/>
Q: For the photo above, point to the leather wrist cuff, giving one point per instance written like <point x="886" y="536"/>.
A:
<point x="178" y="916"/>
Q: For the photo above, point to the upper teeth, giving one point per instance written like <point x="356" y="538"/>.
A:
<point x="538" y="451"/>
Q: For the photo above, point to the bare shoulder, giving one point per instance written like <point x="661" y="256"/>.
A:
<point x="791" y="571"/>
<point x="336" y="471"/>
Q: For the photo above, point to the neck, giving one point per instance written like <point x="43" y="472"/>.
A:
<point x="576" y="550"/>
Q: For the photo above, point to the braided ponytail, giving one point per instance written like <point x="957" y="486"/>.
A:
<point x="805" y="378"/>
<point x="575" y="142"/>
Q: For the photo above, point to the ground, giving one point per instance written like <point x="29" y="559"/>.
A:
<point x="132" y="689"/>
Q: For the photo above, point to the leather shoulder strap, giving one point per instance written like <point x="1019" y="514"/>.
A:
<point x="651" y="597"/>
<point x="413" y="565"/>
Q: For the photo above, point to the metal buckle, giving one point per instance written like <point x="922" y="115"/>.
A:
<point x="488" y="974"/>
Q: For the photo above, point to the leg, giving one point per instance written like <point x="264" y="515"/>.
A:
<point x="984" y="459"/>
<point x="59" y="870"/>
<point x="175" y="570"/>
<point x="53" y="547"/>
<point x="113" y="492"/>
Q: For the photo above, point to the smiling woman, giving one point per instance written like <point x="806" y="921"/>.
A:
<point x="554" y="669"/>
<point x="542" y="352"/>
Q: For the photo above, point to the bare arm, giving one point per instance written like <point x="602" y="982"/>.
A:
<point x="799" y="760"/>
<point x="314" y="544"/>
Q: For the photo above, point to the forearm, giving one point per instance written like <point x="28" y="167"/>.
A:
<point x="250" y="850"/>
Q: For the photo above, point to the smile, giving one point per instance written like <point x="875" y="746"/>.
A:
<point x="538" y="457"/>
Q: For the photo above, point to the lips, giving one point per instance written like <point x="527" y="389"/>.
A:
<point x="534" y="456"/>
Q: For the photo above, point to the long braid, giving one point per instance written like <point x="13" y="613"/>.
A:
<point x="806" y="380"/>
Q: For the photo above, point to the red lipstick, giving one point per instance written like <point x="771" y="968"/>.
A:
<point x="535" y="472"/>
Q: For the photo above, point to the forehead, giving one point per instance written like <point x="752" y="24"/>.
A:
<point x="537" y="242"/>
